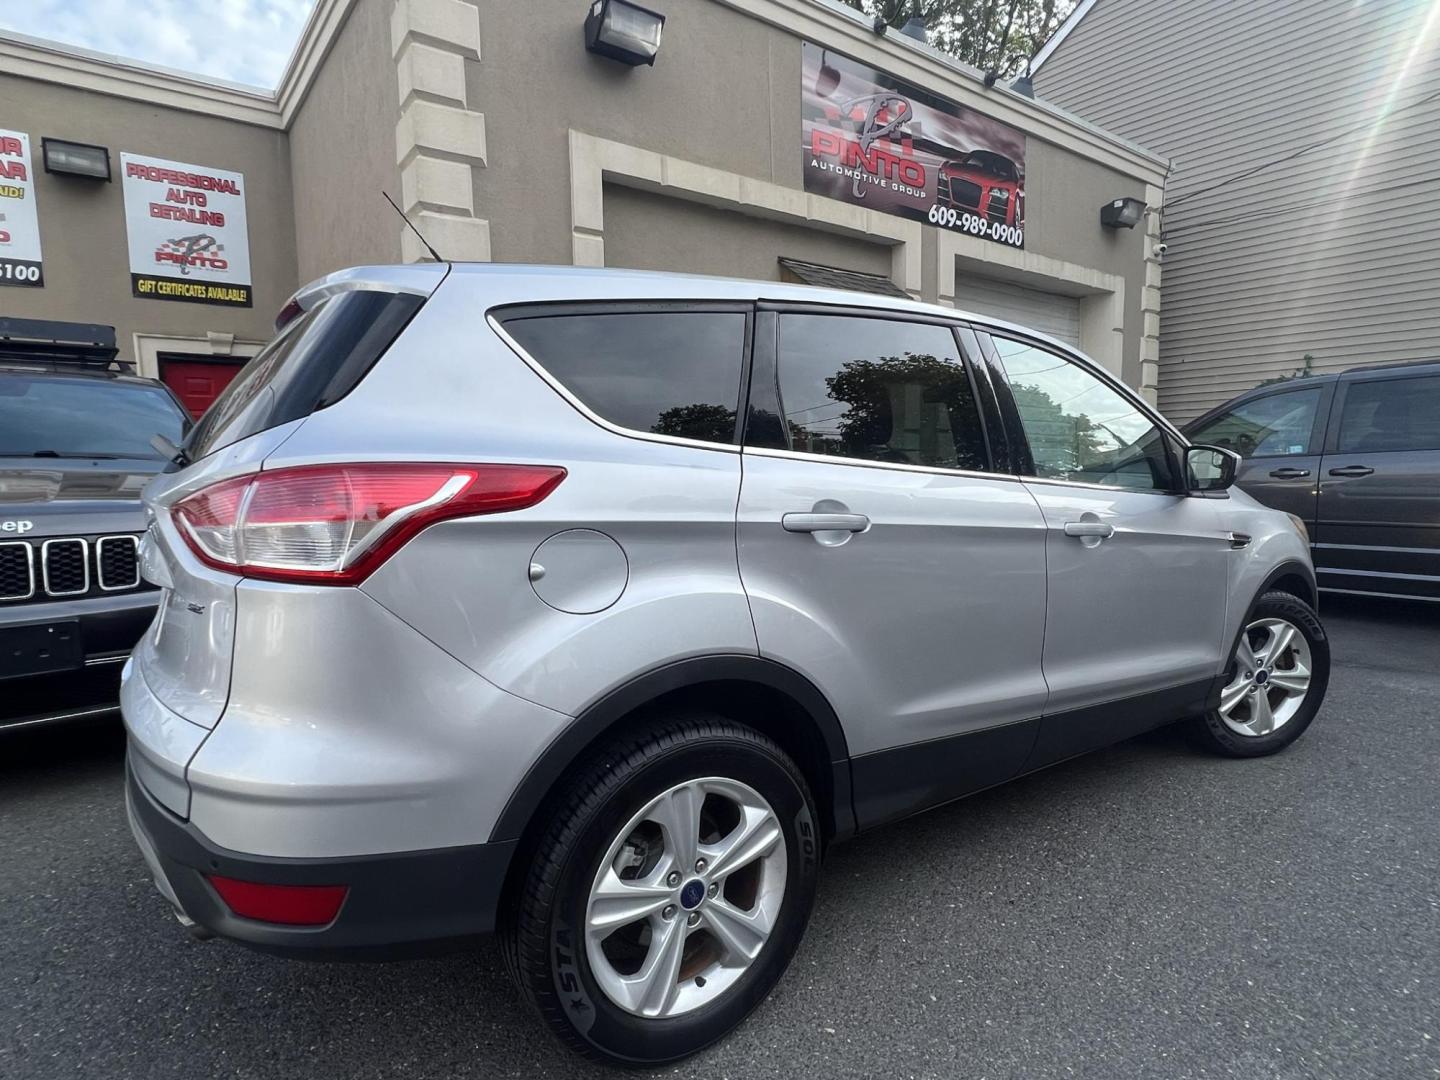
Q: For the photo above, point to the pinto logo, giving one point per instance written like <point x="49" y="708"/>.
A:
<point x="876" y="118"/>
<point x="201" y="250"/>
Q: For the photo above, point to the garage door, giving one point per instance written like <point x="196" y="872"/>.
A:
<point x="1050" y="313"/>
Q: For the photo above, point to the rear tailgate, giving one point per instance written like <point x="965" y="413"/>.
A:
<point x="335" y="332"/>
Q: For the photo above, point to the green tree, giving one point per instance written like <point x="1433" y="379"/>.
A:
<point x="992" y="35"/>
<point x="895" y="408"/>
<point x="710" y="423"/>
<point x="1061" y="442"/>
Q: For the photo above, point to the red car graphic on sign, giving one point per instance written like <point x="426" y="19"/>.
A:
<point x="983" y="183"/>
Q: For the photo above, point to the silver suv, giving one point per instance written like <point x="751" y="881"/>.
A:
<point x="591" y="607"/>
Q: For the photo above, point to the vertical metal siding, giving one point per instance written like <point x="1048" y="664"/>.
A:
<point x="1336" y="254"/>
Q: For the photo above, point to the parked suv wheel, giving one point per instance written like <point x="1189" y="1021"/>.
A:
<point x="668" y="892"/>
<point x="1276" y="682"/>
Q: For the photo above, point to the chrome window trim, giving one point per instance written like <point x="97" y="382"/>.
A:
<point x="590" y="414"/>
<point x="894" y="466"/>
<point x="29" y="566"/>
<point x="45" y="564"/>
<point x="100" y="564"/>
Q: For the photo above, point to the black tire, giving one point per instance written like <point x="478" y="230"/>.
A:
<point x="544" y="941"/>
<point x="1210" y="731"/>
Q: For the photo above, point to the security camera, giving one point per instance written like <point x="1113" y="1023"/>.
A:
<point x="1161" y="248"/>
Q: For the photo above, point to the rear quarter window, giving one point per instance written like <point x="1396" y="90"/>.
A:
<point x="314" y="361"/>
<point x="660" y="372"/>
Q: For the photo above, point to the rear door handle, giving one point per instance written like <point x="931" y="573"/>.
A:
<point x="1289" y="474"/>
<point x="1352" y="470"/>
<point x="1089" y="528"/>
<point x="813" y="523"/>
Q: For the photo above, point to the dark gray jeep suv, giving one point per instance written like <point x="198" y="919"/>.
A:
<point x="74" y="453"/>
<point x="1356" y="456"/>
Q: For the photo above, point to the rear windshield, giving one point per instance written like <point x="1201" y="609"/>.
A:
<point x="316" y="360"/>
<point x="53" y="416"/>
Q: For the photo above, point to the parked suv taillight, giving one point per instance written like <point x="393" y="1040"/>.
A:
<point x="334" y="524"/>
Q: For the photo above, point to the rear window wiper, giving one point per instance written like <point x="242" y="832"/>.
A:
<point x="68" y="454"/>
<point x="176" y="455"/>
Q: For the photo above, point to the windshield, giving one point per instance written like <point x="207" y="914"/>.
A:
<point x="53" y="416"/>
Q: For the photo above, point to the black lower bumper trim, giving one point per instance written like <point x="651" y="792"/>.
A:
<point x="398" y="905"/>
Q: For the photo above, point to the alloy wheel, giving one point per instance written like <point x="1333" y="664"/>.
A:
<point x="1270" y="678"/>
<point x="686" y="897"/>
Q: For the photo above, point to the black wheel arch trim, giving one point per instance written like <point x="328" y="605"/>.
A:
<point x="1289" y="568"/>
<point x="607" y="711"/>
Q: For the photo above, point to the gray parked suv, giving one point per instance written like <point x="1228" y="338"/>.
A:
<point x="591" y="607"/>
<point x="1356" y="456"/>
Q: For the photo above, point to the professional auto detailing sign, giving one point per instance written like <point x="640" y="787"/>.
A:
<point x="187" y="232"/>
<point x="874" y="141"/>
<point x="19" y="224"/>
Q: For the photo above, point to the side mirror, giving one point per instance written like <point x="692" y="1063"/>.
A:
<point x="1210" y="468"/>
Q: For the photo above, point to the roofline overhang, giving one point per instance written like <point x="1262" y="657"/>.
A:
<point x="824" y="22"/>
<point x="1061" y="33"/>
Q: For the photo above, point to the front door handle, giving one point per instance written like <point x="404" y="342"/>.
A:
<point x="813" y="523"/>
<point x="1097" y="529"/>
<point x="1352" y="470"/>
<point x="1289" y="474"/>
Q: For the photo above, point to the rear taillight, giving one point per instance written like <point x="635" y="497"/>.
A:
<point x="334" y="524"/>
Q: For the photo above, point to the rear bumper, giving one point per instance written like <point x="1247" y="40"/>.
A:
<point x="404" y="904"/>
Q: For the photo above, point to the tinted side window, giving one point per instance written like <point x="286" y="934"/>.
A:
<point x="1079" y="427"/>
<point x="1274" y="426"/>
<point x="667" y="372"/>
<point x="314" y="361"/>
<point x="1391" y="414"/>
<point x="877" y="390"/>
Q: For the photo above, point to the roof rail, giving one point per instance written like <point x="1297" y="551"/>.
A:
<point x="1390" y="365"/>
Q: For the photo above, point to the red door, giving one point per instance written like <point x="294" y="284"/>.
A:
<point x="197" y="382"/>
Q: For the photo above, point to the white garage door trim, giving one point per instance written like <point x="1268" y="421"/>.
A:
<point x="1050" y="313"/>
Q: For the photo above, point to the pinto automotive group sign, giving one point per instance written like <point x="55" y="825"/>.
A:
<point x="874" y="141"/>
<point x="19" y="224"/>
<point x="187" y="232"/>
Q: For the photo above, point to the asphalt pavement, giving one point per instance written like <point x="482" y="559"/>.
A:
<point x="1147" y="911"/>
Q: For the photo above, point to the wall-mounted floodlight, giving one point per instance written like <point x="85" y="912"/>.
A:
<point x="623" y="31"/>
<point x="1122" y="213"/>
<point x="75" y="159"/>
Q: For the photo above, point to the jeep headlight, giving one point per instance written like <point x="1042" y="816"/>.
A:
<point x="1299" y="524"/>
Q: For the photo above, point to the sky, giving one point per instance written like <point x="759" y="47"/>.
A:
<point x="244" y="41"/>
